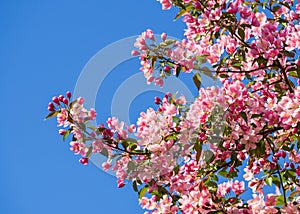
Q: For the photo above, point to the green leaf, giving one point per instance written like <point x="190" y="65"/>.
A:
<point x="133" y="147"/>
<point x="293" y="194"/>
<point x="244" y="116"/>
<point x="208" y="156"/>
<point x="289" y="54"/>
<point x="72" y="103"/>
<point x="169" y="42"/>
<point x="125" y="145"/>
<point x="92" y="127"/>
<point x="153" y="61"/>
<point x="134" y="185"/>
<point x="52" y="114"/>
<point x="197" y="80"/>
<point x="208" y="72"/>
<point x="224" y="76"/>
<point x="268" y="181"/>
<point x="66" y="134"/>
<point x="276" y="181"/>
<point x="241" y="33"/>
<point x="139" y="181"/>
<point x="201" y="59"/>
<point x="131" y="140"/>
<point x="130" y="166"/>
<point x="178" y="69"/>
<point x="104" y="152"/>
<point x="256" y="115"/>
<point x="214" y="177"/>
<point x="212" y="186"/>
<point x="237" y="65"/>
<point x="89" y="153"/>
<point x="293" y="74"/>
<point x="276" y="8"/>
<point x="176" y="169"/>
<point x="143" y="191"/>
<point x="223" y="173"/>
<point x="279" y="200"/>
<point x="179" y="14"/>
<point x="198" y="149"/>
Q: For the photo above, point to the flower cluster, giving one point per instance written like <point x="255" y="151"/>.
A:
<point x="235" y="148"/>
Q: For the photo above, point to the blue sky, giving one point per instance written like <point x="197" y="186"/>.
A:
<point x="44" y="47"/>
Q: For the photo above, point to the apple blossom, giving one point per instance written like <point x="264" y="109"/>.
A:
<point x="205" y="155"/>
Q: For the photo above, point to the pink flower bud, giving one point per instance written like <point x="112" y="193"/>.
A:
<point x="106" y="166"/>
<point x="50" y="107"/>
<point x="163" y="36"/>
<point x="157" y="100"/>
<point x="135" y="53"/>
<point x="283" y="154"/>
<point x="55" y="100"/>
<point x="167" y="68"/>
<point x="292" y="165"/>
<point x="298" y="171"/>
<point x="169" y="94"/>
<point x="150" y="34"/>
<point x="272" y="165"/>
<point x="84" y="161"/>
<point x="278" y="154"/>
<point x="60" y="98"/>
<point x="61" y="131"/>
<point x="65" y="101"/>
<point x="154" y="198"/>
<point x="68" y="93"/>
<point x="120" y="185"/>
<point x="80" y="100"/>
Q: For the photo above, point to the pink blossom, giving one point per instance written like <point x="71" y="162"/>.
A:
<point x="97" y="145"/>
<point x="135" y="53"/>
<point x="92" y="114"/>
<point x="62" y="118"/>
<point x="166" y="4"/>
<point x="78" y="148"/>
<point x="106" y="166"/>
<point x="238" y="187"/>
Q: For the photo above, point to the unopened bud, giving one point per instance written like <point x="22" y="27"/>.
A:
<point x="69" y="94"/>
<point x="84" y="161"/>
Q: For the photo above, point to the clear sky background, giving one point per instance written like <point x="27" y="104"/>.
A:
<point x="44" y="45"/>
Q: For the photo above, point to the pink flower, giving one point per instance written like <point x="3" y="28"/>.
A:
<point x="234" y="7"/>
<point x="159" y="81"/>
<point x="92" y="114"/>
<point x="61" y="131"/>
<point x="80" y="100"/>
<point x="238" y="187"/>
<point x="135" y="53"/>
<point x="270" y="200"/>
<point x="97" y="145"/>
<point x="149" y="34"/>
<point x="166" y="4"/>
<point x="78" y="148"/>
<point x="62" y="118"/>
<point x="106" y="166"/>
